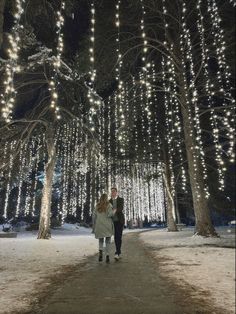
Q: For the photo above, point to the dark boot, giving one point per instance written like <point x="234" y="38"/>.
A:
<point x="100" y="256"/>
<point x="107" y="259"/>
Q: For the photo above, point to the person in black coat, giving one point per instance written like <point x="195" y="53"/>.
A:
<point x="118" y="220"/>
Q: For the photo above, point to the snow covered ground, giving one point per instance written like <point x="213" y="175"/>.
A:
<point x="206" y="265"/>
<point x="26" y="264"/>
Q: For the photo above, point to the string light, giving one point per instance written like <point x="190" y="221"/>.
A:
<point x="9" y="178"/>
<point x="192" y="92"/>
<point x="119" y="99"/>
<point x="170" y="139"/>
<point x="22" y="161"/>
<point x="223" y="77"/>
<point x="7" y="99"/>
<point x="208" y="87"/>
<point x="37" y="160"/>
<point x="145" y="81"/>
<point x="53" y="84"/>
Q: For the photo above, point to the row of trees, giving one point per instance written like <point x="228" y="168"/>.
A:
<point x="182" y="54"/>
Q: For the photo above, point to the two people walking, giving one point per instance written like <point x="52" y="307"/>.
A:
<point x="108" y="221"/>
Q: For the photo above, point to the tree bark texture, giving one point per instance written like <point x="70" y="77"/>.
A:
<point x="45" y="214"/>
<point x="203" y="223"/>
<point x="170" y="200"/>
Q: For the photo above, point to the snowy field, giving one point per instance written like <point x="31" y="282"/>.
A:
<point x="206" y="265"/>
<point x="26" y="264"/>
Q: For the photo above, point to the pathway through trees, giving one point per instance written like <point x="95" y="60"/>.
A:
<point x="130" y="286"/>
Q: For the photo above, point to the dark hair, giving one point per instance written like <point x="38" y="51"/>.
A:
<point x="114" y="189"/>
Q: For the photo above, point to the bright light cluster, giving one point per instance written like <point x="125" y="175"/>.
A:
<point x="224" y="78"/>
<point x="169" y="120"/>
<point x="120" y="99"/>
<point x="53" y="84"/>
<point x="9" y="179"/>
<point x="8" y="97"/>
<point x="209" y="89"/>
<point x="191" y="94"/>
<point x="172" y="110"/>
<point x="146" y="84"/>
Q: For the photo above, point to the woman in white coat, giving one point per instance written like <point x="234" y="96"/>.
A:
<point x="103" y="225"/>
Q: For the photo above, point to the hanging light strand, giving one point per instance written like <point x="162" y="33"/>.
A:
<point x="169" y="119"/>
<point x="193" y="102"/>
<point x="223" y="77"/>
<point x="7" y="99"/>
<point x="53" y="83"/>
<point x="146" y="81"/>
<point x="120" y="123"/>
<point x="210" y="94"/>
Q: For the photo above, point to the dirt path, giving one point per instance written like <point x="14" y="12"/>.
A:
<point x="130" y="286"/>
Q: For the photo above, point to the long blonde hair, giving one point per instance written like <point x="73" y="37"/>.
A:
<point x="102" y="204"/>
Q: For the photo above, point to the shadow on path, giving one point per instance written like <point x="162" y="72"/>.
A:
<point x="130" y="286"/>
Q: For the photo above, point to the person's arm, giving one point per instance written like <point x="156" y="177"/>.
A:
<point x="110" y="212"/>
<point x="121" y="205"/>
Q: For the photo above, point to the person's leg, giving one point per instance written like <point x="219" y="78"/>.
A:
<point x="116" y="235"/>
<point x="119" y="237"/>
<point x="108" y="243"/>
<point x="101" y="240"/>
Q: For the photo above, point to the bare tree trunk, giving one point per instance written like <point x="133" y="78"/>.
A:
<point x="203" y="225"/>
<point x="2" y="6"/>
<point x="44" y="224"/>
<point x="170" y="200"/>
<point x="177" y="209"/>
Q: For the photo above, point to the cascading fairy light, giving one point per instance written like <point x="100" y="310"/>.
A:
<point x="114" y="141"/>
<point x="109" y="143"/>
<point x="223" y="76"/>
<point x="37" y="159"/>
<point x="93" y="98"/>
<point x="169" y="123"/>
<point x="142" y="118"/>
<point x="7" y="99"/>
<point x="145" y="81"/>
<point x="155" y="118"/>
<point x="208" y="89"/>
<point x="28" y="199"/>
<point x="176" y="123"/>
<point x="65" y="172"/>
<point x="135" y="119"/>
<point x="124" y="113"/>
<point x="167" y="101"/>
<point x="146" y="194"/>
<point x="128" y="188"/>
<point x="92" y="48"/>
<point x="22" y="161"/>
<point x="8" y="189"/>
<point x="53" y="83"/>
<point x="76" y="147"/>
<point x="119" y="99"/>
<point x="4" y="159"/>
<point x="191" y="91"/>
<point x="136" y="201"/>
<point x="60" y="159"/>
<point x="71" y="170"/>
<point x="74" y="166"/>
